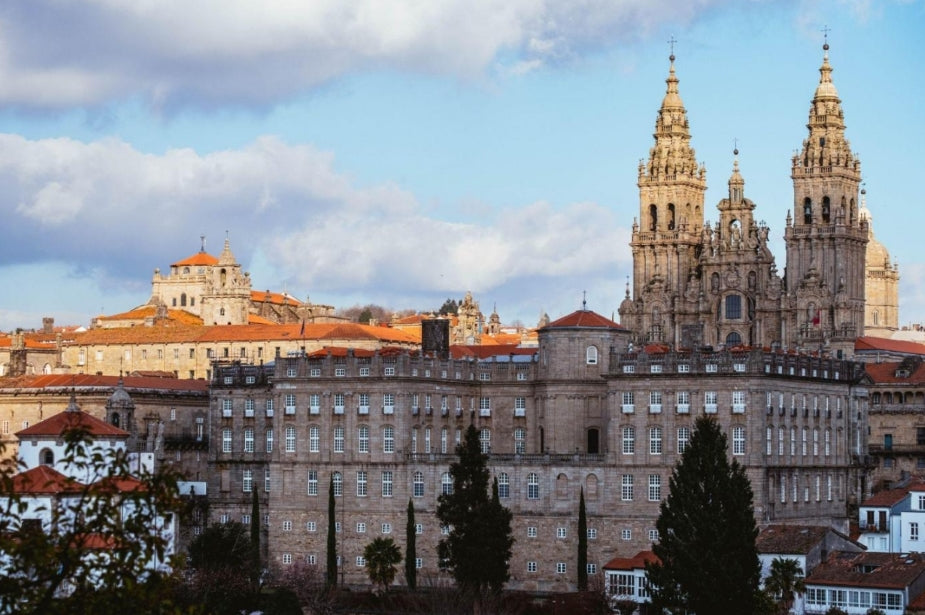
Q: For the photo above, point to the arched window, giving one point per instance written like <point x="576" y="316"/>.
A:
<point x="876" y="317"/>
<point x="183" y="299"/>
<point x="671" y="217"/>
<point x="115" y="419"/>
<point x="221" y="312"/>
<point x="446" y="484"/>
<point x="591" y="483"/>
<point x="807" y="211"/>
<point x="733" y="340"/>
<point x="47" y="456"/>
<point x="591" y="355"/>
<point x="173" y="302"/>
<point x="826" y="209"/>
<point x="224" y="276"/>
<point x="504" y="485"/>
<point x="533" y="486"/>
<point x="338" y="480"/>
<point x="653" y="217"/>
<point x="594" y="437"/>
<point x="733" y="307"/>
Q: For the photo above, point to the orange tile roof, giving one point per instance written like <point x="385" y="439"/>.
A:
<point x="43" y="480"/>
<point x="76" y="381"/>
<point x="891" y="497"/>
<point x="149" y="311"/>
<point x="199" y="258"/>
<point x="339" y="351"/>
<point x="885" y="373"/>
<point x="869" y="569"/>
<point x="868" y="343"/>
<point x="119" y="484"/>
<point x="254" y="319"/>
<point x="637" y="562"/>
<point x="484" y="352"/>
<point x="58" y="424"/>
<point x="276" y="298"/>
<point x="584" y="318"/>
<point x="790" y="539"/>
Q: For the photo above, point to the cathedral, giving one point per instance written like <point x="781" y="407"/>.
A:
<point x="701" y="284"/>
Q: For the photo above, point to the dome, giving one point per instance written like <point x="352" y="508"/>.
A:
<point x="877" y="254"/>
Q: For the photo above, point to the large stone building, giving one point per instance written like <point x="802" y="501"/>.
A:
<point x="579" y="411"/>
<point x="697" y="284"/>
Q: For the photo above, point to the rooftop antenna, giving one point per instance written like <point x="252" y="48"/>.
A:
<point x="202" y="243"/>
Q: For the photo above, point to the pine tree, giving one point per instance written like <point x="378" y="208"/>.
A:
<point x="331" y="562"/>
<point x="708" y="562"/>
<point x="582" y="543"/>
<point x="411" y="553"/>
<point x="478" y="547"/>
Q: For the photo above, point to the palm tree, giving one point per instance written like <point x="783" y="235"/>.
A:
<point x="784" y="582"/>
<point x="382" y="555"/>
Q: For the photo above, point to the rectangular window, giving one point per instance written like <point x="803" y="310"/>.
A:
<point x="592" y="534"/>
<point x="363" y="405"/>
<point x="363" y="439"/>
<point x="531" y="532"/>
<point x="520" y="406"/>
<point x="314" y="403"/>
<point x="655" y="487"/>
<point x="311" y="526"/>
<point x="290" y="403"/>
<point x="626" y="534"/>
<point x="531" y="566"/>
<point x="388" y="402"/>
<point x="629" y="440"/>
<point x="248" y="440"/>
<point x="248" y="481"/>
<point x="226" y="408"/>
<point x="709" y="402"/>
<point x="738" y="440"/>
<point x="338" y="439"/>
<point x="388" y="439"/>
<point x="338" y="403"/>
<point x="684" y="402"/>
<point x="314" y="439"/>
<point x="269" y="407"/>
<point x="738" y="402"/>
<point x="655" y="440"/>
<point x="361" y="483"/>
<point x="560" y="567"/>
<point x="386" y="528"/>
<point x="313" y="483"/>
<point x="267" y="483"/>
<point x="387" y="484"/>
<point x="290" y="439"/>
<point x="226" y="440"/>
<point x="626" y="489"/>
<point x="684" y="438"/>
<point x="561" y="532"/>
<point x="629" y="402"/>
<point x="653" y="535"/>
<point x="913" y="531"/>
<point x="655" y="402"/>
<point x="484" y="406"/>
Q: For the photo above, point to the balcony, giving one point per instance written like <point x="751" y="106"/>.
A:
<point x="388" y="409"/>
<point x="520" y="412"/>
<point x="415" y="411"/>
<point x="269" y="412"/>
<point x="738" y="408"/>
<point x="290" y="409"/>
<point x="313" y="410"/>
<point x="363" y="410"/>
<point x="429" y="411"/>
<point x="628" y="408"/>
<point x="709" y="408"/>
<point x="655" y="408"/>
<point x="684" y="408"/>
<point x="338" y="409"/>
<point x="484" y="412"/>
<point x="248" y="414"/>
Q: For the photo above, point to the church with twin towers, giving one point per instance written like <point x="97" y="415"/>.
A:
<point x="702" y="284"/>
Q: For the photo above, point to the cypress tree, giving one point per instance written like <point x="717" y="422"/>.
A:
<point x="708" y="561"/>
<point x="255" y="539"/>
<point x="582" y="543"/>
<point x="331" y="563"/>
<point x="411" y="554"/>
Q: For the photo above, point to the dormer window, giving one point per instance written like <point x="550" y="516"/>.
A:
<point x="591" y="355"/>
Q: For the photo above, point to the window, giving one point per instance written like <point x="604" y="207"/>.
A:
<point x="311" y="526"/>
<point x="427" y="440"/>
<point x="363" y="439"/>
<point x="629" y="440"/>
<point x="655" y="440"/>
<point x="446" y="484"/>
<point x="684" y="438"/>
<point x="267" y="483"/>
<point x="361" y="561"/>
<point x="738" y="402"/>
<point x="339" y="439"/>
<point x="248" y="481"/>
<point x="653" y="535"/>
<point x="386" y="528"/>
<point x="249" y="440"/>
<point x="418" y="563"/>
<point x="504" y="485"/>
<point x="173" y="414"/>
<point x="561" y="532"/>
<point x="338" y="403"/>
<point x="388" y="439"/>
<point x="592" y="534"/>
<point x="531" y="566"/>
<point x="418" y="528"/>
<point x="338" y="481"/>
<point x="626" y="534"/>
<point x="484" y="406"/>
<point x="655" y="402"/>
<point x="485" y="440"/>
<point x="591" y="355"/>
<point x="389" y="371"/>
<point x="287" y="526"/>
<point x="361" y="483"/>
<point x="520" y="436"/>
<point x="733" y="307"/>
<point x="443" y="440"/>
<point x="363" y="406"/>
<point x="340" y="371"/>
<point x="913" y="531"/>
<point x="533" y="486"/>
<point x="287" y="558"/>
<point x="226" y="440"/>
<point x="249" y="407"/>
<point x="269" y="439"/>
<point x="738" y="440"/>
<point x="626" y="488"/>
<point x="709" y="402"/>
<point x="560" y="567"/>
<point x="684" y="402"/>
<point x="314" y="403"/>
<point x="313" y="482"/>
<point x="592" y="568"/>
<point x="629" y="402"/>
<point x="290" y="403"/>
<point x="387" y="484"/>
<point x="226" y="408"/>
<point x="314" y="439"/>
<point x="290" y="439"/>
<point x="655" y="487"/>
<point x="531" y="532"/>
<point x="418" y="488"/>
<point x="361" y="528"/>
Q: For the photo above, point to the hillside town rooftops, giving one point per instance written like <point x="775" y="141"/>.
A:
<point x="869" y="569"/>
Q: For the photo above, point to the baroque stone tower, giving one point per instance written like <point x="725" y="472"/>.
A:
<point x="826" y="238"/>
<point x="666" y="236"/>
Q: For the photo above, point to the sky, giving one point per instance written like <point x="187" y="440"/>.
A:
<point x="400" y="152"/>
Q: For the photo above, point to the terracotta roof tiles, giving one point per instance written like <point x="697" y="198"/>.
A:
<point x="869" y="569"/>
<point x="868" y="343"/>
<point x="637" y="562"/>
<point x="790" y="539"/>
<point x="44" y="480"/>
<point x="199" y="258"/>
<point x="584" y="318"/>
<point x="58" y="424"/>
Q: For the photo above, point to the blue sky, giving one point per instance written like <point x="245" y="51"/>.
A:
<point x="397" y="152"/>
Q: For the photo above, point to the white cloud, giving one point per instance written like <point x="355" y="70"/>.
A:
<point x="120" y="213"/>
<point x="56" y="54"/>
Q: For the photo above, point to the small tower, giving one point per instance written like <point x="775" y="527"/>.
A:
<point x="120" y="412"/>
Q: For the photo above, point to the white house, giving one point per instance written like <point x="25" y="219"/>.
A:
<point x="858" y="582"/>
<point x="892" y="521"/>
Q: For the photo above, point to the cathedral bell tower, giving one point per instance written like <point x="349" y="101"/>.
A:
<point x="666" y="234"/>
<point x="826" y="238"/>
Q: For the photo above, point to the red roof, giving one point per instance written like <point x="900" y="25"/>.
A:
<point x="277" y="298"/>
<point x="868" y="343"/>
<point x="119" y="484"/>
<point x="338" y="351"/>
<point x="891" y="497"/>
<point x="869" y="569"/>
<point x="199" y="258"/>
<point x="637" y="562"/>
<point x="69" y="420"/>
<point x="485" y="352"/>
<point x="77" y="381"/>
<point x="43" y="480"/>
<point x="584" y="318"/>
<point x="790" y="539"/>
<point x="885" y="373"/>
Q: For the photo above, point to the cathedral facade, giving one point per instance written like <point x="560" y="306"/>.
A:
<point x="697" y="283"/>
